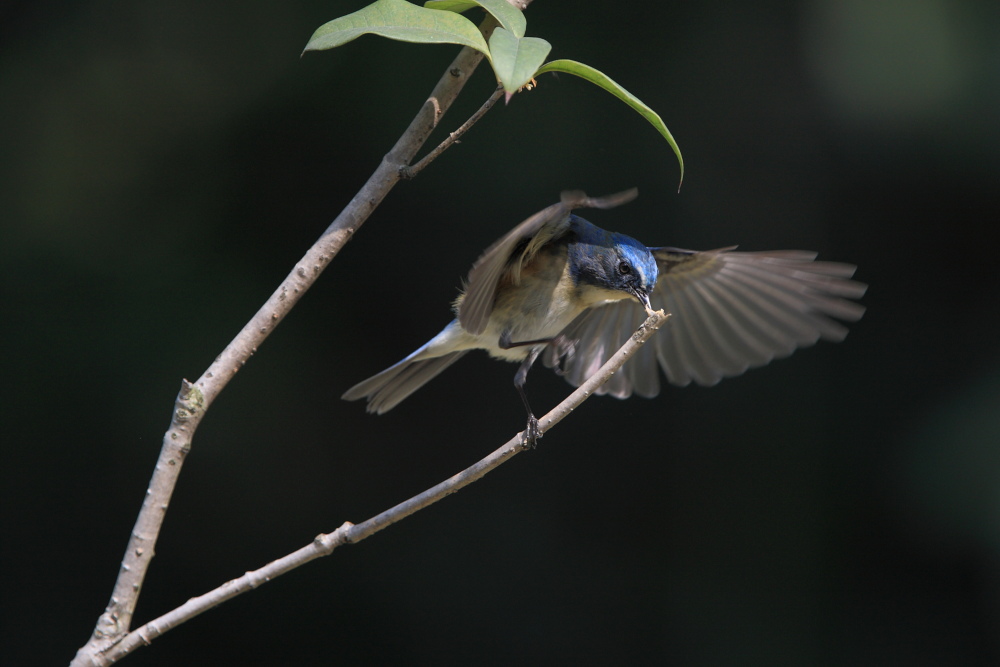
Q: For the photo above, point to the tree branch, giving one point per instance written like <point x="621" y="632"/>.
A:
<point x="348" y="533"/>
<point x="195" y="398"/>
<point x="411" y="171"/>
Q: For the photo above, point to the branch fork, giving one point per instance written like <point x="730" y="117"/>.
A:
<point x="112" y="639"/>
<point x="349" y="533"/>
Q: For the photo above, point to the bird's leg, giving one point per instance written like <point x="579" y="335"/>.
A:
<point x="531" y="432"/>
<point x="505" y="343"/>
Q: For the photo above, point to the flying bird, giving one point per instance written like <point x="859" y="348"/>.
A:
<point x="559" y="287"/>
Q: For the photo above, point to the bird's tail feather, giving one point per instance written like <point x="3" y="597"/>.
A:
<point x="387" y="389"/>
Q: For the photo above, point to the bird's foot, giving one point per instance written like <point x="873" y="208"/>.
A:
<point x="531" y="434"/>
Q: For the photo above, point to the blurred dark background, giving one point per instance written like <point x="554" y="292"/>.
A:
<point x="162" y="167"/>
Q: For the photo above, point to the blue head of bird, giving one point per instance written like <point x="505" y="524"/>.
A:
<point x="612" y="262"/>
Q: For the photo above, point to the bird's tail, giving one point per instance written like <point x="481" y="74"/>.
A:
<point x="385" y="390"/>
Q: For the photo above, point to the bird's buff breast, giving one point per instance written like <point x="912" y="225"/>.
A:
<point x="538" y="307"/>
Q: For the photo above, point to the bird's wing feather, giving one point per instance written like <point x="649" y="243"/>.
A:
<point x="730" y="311"/>
<point x="498" y="262"/>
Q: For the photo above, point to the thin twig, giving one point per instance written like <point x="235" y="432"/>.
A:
<point x="411" y="171"/>
<point x="195" y="398"/>
<point x="348" y="533"/>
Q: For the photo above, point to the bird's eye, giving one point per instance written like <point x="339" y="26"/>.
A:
<point x="624" y="268"/>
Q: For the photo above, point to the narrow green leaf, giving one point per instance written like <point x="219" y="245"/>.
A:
<point x="401" y="20"/>
<point x="506" y="14"/>
<point x="516" y="60"/>
<point x="599" y="78"/>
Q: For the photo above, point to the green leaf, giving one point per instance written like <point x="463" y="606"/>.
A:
<point x="516" y="60"/>
<point x="401" y="20"/>
<point x="506" y="14"/>
<point x="599" y="78"/>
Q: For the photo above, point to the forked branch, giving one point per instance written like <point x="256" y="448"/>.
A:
<point x="348" y="533"/>
<point x="413" y="170"/>
<point x="195" y="398"/>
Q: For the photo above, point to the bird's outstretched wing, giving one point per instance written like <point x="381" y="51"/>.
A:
<point x="730" y="311"/>
<point x="506" y="257"/>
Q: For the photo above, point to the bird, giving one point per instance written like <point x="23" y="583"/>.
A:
<point x="563" y="289"/>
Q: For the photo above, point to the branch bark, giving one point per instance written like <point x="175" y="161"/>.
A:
<point x="348" y="533"/>
<point x="194" y="399"/>
<point x="412" y="171"/>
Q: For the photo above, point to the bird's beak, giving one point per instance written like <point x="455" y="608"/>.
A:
<point x="643" y="298"/>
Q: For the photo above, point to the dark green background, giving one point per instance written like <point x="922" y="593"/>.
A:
<point x="162" y="167"/>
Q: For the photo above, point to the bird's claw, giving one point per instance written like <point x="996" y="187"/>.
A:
<point x="531" y="434"/>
